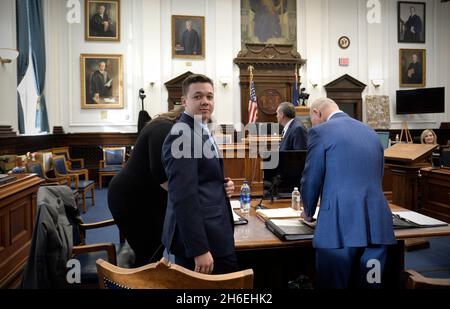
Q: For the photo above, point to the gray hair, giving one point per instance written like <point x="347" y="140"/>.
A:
<point x="323" y="103"/>
<point x="288" y="109"/>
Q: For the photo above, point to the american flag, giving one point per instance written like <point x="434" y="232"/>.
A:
<point x="252" y="105"/>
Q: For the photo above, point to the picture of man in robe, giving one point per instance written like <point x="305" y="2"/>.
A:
<point x="191" y="40"/>
<point x="101" y="84"/>
<point x="413" y="27"/>
<point x="101" y="24"/>
<point x="267" y="23"/>
<point x="411" y="22"/>
<point x="414" y="71"/>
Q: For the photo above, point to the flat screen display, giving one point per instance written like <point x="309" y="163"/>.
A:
<point x="421" y="101"/>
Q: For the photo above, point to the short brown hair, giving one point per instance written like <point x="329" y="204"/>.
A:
<point x="288" y="109"/>
<point x="193" y="79"/>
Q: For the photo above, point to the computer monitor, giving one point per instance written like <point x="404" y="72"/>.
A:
<point x="287" y="173"/>
<point x="384" y="139"/>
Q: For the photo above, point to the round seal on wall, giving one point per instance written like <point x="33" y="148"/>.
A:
<point x="344" y="42"/>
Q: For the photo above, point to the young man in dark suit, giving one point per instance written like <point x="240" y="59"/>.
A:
<point x="198" y="227"/>
<point x="294" y="133"/>
<point x="344" y="167"/>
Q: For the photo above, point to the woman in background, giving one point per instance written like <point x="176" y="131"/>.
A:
<point x="137" y="195"/>
<point x="428" y="137"/>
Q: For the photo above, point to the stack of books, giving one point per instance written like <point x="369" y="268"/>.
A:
<point x="286" y="223"/>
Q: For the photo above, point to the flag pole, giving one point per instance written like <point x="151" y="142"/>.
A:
<point x="250" y="69"/>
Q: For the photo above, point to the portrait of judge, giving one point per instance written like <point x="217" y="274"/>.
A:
<point x="102" y="20"/>
<point x="103" y="86"/>
<point x="411" y="22"/>
<point x="412" y="67"/>
<point x="101" y="83"/>
<point x="268" y="21"/>
<point x="188" y="36"/>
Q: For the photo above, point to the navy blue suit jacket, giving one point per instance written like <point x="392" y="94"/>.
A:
<point x="198" y="216"/>
<point x="295" y="137"/>
<point x="344" y="166"/>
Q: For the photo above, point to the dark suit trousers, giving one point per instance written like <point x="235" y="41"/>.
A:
<point x="222" y="265"/>
<point x="347" y="267"/>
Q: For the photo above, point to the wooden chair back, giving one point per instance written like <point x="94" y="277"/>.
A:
<point x="165" y="275"/>
<point x="417" y="281"/>
<point x="64" y="151"/>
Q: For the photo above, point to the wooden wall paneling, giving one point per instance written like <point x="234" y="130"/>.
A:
<point x="273" y="75"/>
<point x="436" y="193"/>
<point x="346" y="91"/>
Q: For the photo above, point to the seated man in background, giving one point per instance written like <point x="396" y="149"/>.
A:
<point x="294" y="133"/>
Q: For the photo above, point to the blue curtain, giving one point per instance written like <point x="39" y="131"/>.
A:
<point x="23" y="46"/>
<point x="36" y="19"/>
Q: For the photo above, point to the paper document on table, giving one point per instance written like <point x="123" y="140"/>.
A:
<point x="235" y="204"/>
<point x="278" y="213"/>
<point x="418" y="219"/>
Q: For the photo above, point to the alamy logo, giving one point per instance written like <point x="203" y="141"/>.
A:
<point x="74" y="14"/>
<point x="374" y="273"/>
<point x="74" y="273"/>
<point x="198" y="143"/>
<point x="374" y="12"/>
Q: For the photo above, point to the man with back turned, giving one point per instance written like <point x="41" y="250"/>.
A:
<point x="344" y="167"/>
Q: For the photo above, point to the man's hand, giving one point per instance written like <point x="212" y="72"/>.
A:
<point x="305" y="217"/>
<point x="229" y="186"/>
<point x="96" y="97"/>
<point x="105" y="26"/>
<point x="204" y="263"/>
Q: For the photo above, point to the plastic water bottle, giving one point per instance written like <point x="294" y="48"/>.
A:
<point x="296" y="199"/>
<point x="245" y="197"/>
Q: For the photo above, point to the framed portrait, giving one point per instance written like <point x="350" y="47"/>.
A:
<point x="102" y="20"/>
<point x="101" y="81"/>
<point x="268" y="22"/>
<point x="411" y="22"/>
<point x="188" y="37"/>
<point x="412" y="70"/>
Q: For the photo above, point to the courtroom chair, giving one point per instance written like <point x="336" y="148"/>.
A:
<point x="38" y="169"/>
<point x="58" y="200"/>
<point x="65" y="152"/>
<point x="83" y="186"/>
<point x="66" y="168"/>
<point x="165" y="275"/>
<point x="112" y="163"/>
<point x="414" y="280"/>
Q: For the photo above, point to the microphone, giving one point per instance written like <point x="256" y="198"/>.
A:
<point x="144" y="117"/>
<point x="273" y="190"/>
<point x="142" y="96"/>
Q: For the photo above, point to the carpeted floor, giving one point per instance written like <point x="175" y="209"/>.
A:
<point x="432" y="262"/>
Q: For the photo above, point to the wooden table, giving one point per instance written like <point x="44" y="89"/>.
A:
<point x="17" y="214"/>
<point x="275" y="262"/>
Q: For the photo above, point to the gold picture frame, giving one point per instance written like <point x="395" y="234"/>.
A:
<point x="101" y="77"/>
<point x="188" y="37"/>
<point x="102" y="20"/>
<point x="412" y="67"/>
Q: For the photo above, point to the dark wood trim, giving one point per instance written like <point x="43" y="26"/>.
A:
<point x="24" y="144"/>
